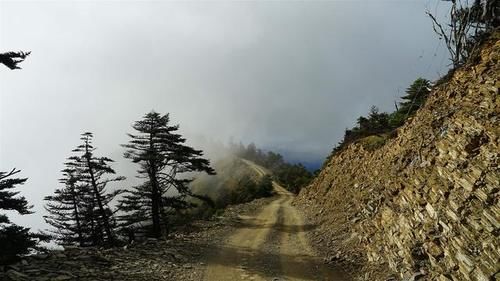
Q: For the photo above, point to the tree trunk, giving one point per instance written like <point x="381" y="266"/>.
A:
<point x="155" y="191"/>
<point x="77" y="217"/>
<point x="155" y="204"/>
<point x="98" y="198"/>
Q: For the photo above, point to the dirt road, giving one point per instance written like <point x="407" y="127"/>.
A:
<point x="270" y="246"/>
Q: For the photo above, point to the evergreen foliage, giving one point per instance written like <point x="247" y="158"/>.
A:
<point x="382" y="123"/>
<point x="163" y="158"/>
<point x="292" y="176"/>
<point x="79" y="211"/>
<point x="415" y="97"/>
<point x="264" y="187"/>
<point x="375" y="123"/>
<point x="12" y="59"/>
<point x="65" y="210"/>
<point x="15" y="240"/>
<point x="234" y="183"/>
<point x="245" y="190"/>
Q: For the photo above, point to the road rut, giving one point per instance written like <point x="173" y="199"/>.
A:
<point x="271" y="245"/>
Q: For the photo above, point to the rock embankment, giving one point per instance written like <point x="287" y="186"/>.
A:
<point x="426" y="204"/>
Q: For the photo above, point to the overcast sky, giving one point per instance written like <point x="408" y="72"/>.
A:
<point x="289" y="76"/>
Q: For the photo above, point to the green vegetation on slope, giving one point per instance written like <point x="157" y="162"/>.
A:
<point x="373" y="130"/>
<point x="234" y="183"/>
<point x="292" y="176"/>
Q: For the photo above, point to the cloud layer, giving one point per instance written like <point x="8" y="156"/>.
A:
<point x="289" y="76"/>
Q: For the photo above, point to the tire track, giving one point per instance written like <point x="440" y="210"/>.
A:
<point x="270" y="246"/>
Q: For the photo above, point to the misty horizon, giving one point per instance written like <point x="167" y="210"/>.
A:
<point x="289" y="77"/>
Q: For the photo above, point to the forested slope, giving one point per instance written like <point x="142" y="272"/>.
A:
<point x="235" y="182"/>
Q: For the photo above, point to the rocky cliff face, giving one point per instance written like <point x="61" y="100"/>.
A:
<point x="426" y="204"/>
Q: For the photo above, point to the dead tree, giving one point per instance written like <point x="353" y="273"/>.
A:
<point x="469" y="22"/>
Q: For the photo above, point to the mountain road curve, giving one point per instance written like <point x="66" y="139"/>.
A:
<point x="272" y="245"/>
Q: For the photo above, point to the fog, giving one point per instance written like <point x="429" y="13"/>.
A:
<point x="289" y="76"/>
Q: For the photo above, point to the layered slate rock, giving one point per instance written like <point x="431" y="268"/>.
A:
<point x="426" y="204"/>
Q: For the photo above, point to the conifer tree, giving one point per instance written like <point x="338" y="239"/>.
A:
<point x="12" y="59"/>
<point x="65" y="210"/>
<point x="15" y="240"/>
<point x="162" y="156"/>
<point x="416" y="96"/>
<point x="90" y="171"/>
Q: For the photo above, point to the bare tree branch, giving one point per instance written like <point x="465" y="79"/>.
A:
<point x="467" y="24"/>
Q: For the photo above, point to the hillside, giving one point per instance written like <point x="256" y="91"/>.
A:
<point x="230" y="170"/>
<point x="265" y="239"/>
<point x="426" y="204"/>
<point x="236" y="181"/>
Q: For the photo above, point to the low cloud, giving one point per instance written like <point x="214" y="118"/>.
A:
<point x="289" y="76"/>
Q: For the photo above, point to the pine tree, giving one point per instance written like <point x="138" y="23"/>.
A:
<point x="90" y="171"/>
<point x="415" y="96"/>
<point x="12" y="59"/>
<point x="14" y="240"/>
<point x="162" y="156"/>
<point x="379" y="121"/>
<point x="65" y="210"/>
